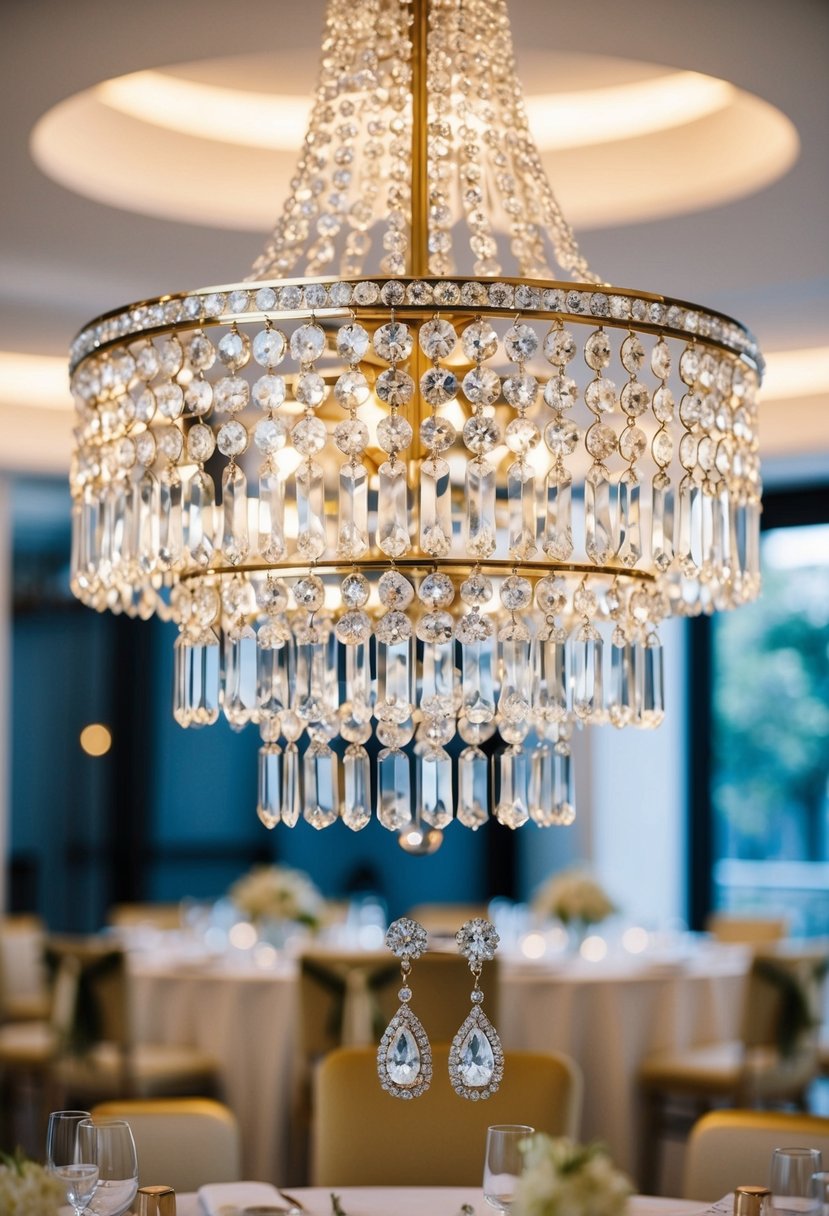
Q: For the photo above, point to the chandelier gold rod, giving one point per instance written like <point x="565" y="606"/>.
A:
<point x="424" y="565"/>
<point x="419" y="203"/>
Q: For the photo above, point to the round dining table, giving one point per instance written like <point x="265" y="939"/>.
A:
<point x="606" y="1015"/>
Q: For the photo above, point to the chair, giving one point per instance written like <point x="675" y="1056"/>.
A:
<point x="150" y="915"/>
<point x="747" y="930"/>
<point x="364" y="1137"/>
<point x="446" y="919"/>
<point x="24" y="991"/>
<point x="774" y="1061"/>
<point x="181" y="1142"/>
<point x="95" y="1055"/>
<point x="729" y="1148"/>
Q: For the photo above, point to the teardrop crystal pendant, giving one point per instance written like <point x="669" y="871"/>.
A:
<point x="404" y="1057"/>
<point x="476" y="1058"/>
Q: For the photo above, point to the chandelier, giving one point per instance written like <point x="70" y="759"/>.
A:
<point x="420" y="512"/>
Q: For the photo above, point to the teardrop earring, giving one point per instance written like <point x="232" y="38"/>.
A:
<point x="404" y="1056"/>
<point x="476" y="1059"/>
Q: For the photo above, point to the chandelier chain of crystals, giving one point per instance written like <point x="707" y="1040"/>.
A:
<point x="414" y="518"/>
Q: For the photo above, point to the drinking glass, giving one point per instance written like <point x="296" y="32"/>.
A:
<point x="79" y="1176"/>
<point x="792" y="1189"/>
<point x="820" y="1186"/>
<point x="109" y="1143"/>
<point x="503" y="1163"/>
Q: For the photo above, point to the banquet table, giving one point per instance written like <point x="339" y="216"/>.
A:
<point x="436" y="1201"/>
<point x="606" y="1015"/>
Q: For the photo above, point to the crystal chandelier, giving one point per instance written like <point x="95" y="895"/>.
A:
<point x="391" y="498"/>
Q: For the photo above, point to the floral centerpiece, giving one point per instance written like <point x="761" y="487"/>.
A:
<point x="575" y="898"/>
<point x="27" y="1189"/>
<point x="562" y="1178"/>
<point x="278" y="895"/>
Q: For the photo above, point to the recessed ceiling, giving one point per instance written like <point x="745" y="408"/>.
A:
<point x="124" y="141"/>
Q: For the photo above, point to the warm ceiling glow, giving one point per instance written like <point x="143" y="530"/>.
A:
<point x="791" y="374"/>
<point x="96" y="739"/>
<point x="38" y="380"/>
<point x="269" y="120"/>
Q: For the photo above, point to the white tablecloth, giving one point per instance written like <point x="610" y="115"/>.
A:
<point x="607" y="1016"/>
<point x="429" y="1201"/>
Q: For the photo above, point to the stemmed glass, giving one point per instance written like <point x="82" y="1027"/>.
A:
<point x="109" y="1143"/>
<point x="792" y="1188"/>
<point x="503" y="1163"/>
<point x="79" y="1175"/>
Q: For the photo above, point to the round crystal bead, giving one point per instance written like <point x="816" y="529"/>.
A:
<point x="309" y="592"/>
<point x="600" y="395"/>
<point x="200" y="443"/>
<point x="633" y="442"/>
<point x="169" y="399"/>
<point x="231" y="394"/>
<point x="516" y="592"/>
<point x="635" y="398"/>
<point x="269" y="347"/>
<point x="170" y="442"/>
<point x="438" y="385"/>
<point x="561" y="436"/>
<point x="560" y="347"/>
<point x="436" y="627"/>
<point x="143" y="405"/>
<point x="147" y="363"/>
<point x="561" y="393"/>
<point x="394" y="433"/>
<point x="393" y="342"/>
<point x="353" y="627"/>
<point x="520" y="343"/>
<point x="476" y="590"/>
<point x="661" y="360"/>
<point x="436" y="590"/>
<point x="308" y="435"/>
<point x="395" y="590"/>
<point x="311" y="389"/>
<point x="269" y="392"/>
<point x="632" y="354"/>
<point x="170" y="355"/>
<point x="662" y="448"/>
<point x="198" y="397"/>
<point x="393" y="627"/>
<point x="352" y="342"/>
<point x="351" y="390"/>
<point x="201" y="353"/>
<point x="145" y="449"/>
<point x="395" y="387"/>
<point x="597" y="350"/>
<point x="437" y="338"/>
<point x="232" y="439"/>
<point x="521" y="391"/>
<point x="479" y="341"/>
<point x="351" y="436"/>
<point x="522" y="435"/>
<point x="481" y="386"/>
<point x="550" y="595"/>
<point x="437" y="433"/>
<point x="663" y="404"/>
<point x="481" y="434"/>
<point x="234" y="350"/>
<point x="269" y="435"/>
<point x="206" y="604"/>
<point x="600" y="441"/>
<point x="355" y="590"/>
<point x="307" y="343"/>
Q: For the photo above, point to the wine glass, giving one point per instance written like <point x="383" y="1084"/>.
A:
<point x="792" y="1189"/>
<point x="109" y="1143"/>
<point x="78" y="1175"/>
<point x="503" y="1163"/>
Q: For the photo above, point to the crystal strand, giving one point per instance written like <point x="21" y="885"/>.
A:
<point x="662" y="450"/>
<point x="269" y="802"/>
<point x="522" y="436"/>
<point x="197" y="678"/>
<point x="268" y="349"/>
<point x="393" y="342"/>
<point x="481" y="434"/>
<point x="561" y="437"/>
<point x="601" y="443"/>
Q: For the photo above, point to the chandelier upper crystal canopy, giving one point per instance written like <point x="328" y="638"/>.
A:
<point x="427" y="494"/>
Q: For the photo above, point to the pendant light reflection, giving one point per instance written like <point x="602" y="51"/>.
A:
<point x="419" y="839"/>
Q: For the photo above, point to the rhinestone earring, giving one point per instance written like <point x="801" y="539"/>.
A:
<point x="404" y="1056"/>
<point x="476" y="1059"/>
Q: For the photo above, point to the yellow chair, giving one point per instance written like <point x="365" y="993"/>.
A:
<point x="729" y="1148"/>
<point x="747" y="930"/>
<point x="774" y="1061"/>
<point x="95" y="1054"/>
<point x="24" y="989"/>
<point x="364" y="1137"/>
<point x="184" y="1143"/>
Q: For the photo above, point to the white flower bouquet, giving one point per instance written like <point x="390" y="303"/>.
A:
<point x="278" y="893"/>
<point x="562" y="1178"/>
<point x="27" y="1189"/>
<point x="574" y="897"/>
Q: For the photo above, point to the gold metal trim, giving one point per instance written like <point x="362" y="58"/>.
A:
<point x="423" y="565"/>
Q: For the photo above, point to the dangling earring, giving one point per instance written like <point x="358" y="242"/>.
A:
<point x="404" y="1057"/>
<point x="476" y="1059"/>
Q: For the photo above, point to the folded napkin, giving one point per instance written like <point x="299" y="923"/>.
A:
<point x="224" y="1198"/>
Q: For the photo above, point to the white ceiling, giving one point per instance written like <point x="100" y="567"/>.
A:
<point x="64" y="258"/>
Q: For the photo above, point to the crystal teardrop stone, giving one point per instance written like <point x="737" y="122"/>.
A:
<point x="403" y="1058"/>
<point x="477" y="1063"/>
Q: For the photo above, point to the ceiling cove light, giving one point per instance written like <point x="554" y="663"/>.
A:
<point x="418" y="493"/>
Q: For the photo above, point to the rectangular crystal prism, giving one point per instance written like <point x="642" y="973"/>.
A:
<point x="239" y="691"/>
<point x="523" y="520"/>
<point x="587" y="674"/>
<point x="321" y="793"/>
<point x="359" y="686"/>
<point x="437" y="683"/>
<point x="473" y="787"/>
<point x="352" y="528"/>
<point x="434" y="775"/>
<point x="478" y="689"/>
<point x="235" y="540"/>
<point x="394" y="789"/>
<point x="629" y="545"/>
<point x="551" y="685"/>
<point x="395" y="676"/>
<point x="171" y="523"/>
<point x="199" y="517"/>
<point x="356" y="804"/>
<point x="435" y="507"/>
<point x="662" y="523"/>
<point x="146" y="522"/>
<point x="271" y="514"/>
<point x="310" y="510"/>
<point x="392" y="509"/>
<point x="598" y="527"/>
<point x="269" y="802"/>
<point x="480" y="508"/>
<point x="558" y="530"/>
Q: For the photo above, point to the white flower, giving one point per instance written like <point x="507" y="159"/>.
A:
<point x="278" y="893"/>
<point x="26" y="1189"/>
<point x="562" y="1178"/>
<point x="572" y="895"/>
